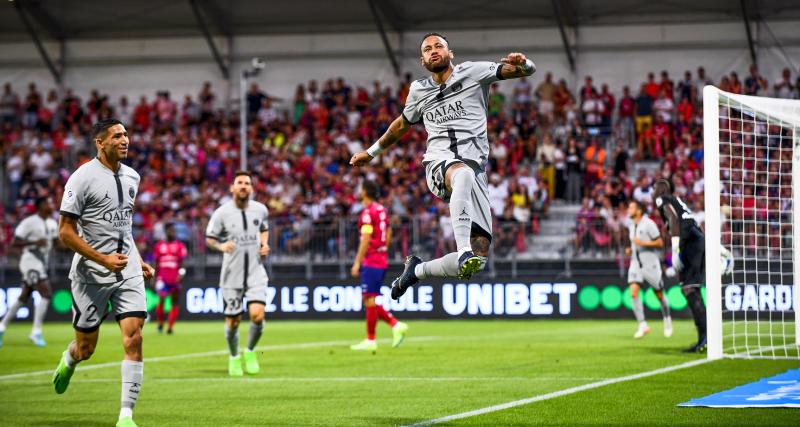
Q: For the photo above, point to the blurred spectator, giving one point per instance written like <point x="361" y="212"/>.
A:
<point x="574" y="171"/>
<point x="9" y="104"/>
<point x="587" y="90"/>
<point x="663" y="107"/>
<point x="755" y="84"/>
<point x="627" y="108"/>
<point x="735" y="84"/>
<point x="522" y="91"/>
<point x="644" y="110"/>
<point x="545" y="93"/>
<point x="784" y="87"/>
<point x="686" y="87"/>
<point x="700" y="82"/>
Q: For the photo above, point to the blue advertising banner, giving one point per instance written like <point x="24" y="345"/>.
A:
<point x="780" y="391"/>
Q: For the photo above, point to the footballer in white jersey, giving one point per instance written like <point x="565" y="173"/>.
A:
<point x="35" y="236"/>
<point x="452" y="103"/>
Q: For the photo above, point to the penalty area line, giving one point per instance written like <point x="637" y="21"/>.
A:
<point x="553" y="395"/>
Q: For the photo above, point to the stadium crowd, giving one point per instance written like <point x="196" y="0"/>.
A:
<point x="549" y="142"/>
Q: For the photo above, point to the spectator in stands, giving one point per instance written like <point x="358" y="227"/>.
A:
<point x="574" y="171"/>
<point x="496" y="101"/>
<point x="645" y="144"/>
<point x="560" y="177"/>
<point x="545" y="93"/>
<point x="9" y="105"/>
<point x="651" y="87"/>
<point x="609" y="103"/>
<point x="685" y="87"/>
<point x="643" y="192"/>
<point x="755" y="84"/>
<point x="562" y="99"/>
<point x="784" y="87"/>
<point x="141" y="115"/>
<point x="663" y="106"/>
<point x="666" y="84"/>
<point x="587" y="90"/>
<point x="594" y="158"/>
<point x="255" y="98"/>
<point x="31" y="108"/>
<point x="15" y="168"/>
<point x="166" y="110"/>
<point x="541" y="200"/>
<point x="736" y="85"/>
<point x="644" y="109"/>
<point x="593" y="110"/>
<point x="699" y="83"/>
<point x="627" y="108"/>
<point x="621" y="158"/>
<point x="585" y="220"/>
<point x="520" y="201"/>
<point x="40" y="162"/>
<point x="498" y="193"/>
<point x="522" y="92"/>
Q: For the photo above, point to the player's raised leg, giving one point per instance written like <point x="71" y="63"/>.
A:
<point x="472" y="256"/>
<point x="256" y="310"/>
<point x="77" y="351"/>
<point x="460" y="179"/>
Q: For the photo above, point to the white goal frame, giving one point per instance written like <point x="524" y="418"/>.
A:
<point x="787" y="111"/>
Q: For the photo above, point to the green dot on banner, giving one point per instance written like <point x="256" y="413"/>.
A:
<point x="676" y="299"/>
<point x="626" y="298"/>
<point x="589" y="298"/>
<point x="62" y="301"/>
<point x="152" y="299"/>
<point x="703" y="293"/>
<point x="611" y="298"/>
<point x="651" y="300"/>
<point x="168" y="304"/>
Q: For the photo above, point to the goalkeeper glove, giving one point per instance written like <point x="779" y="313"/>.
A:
<point x="677" y="264"/>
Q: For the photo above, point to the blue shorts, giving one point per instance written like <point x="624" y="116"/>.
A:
<point x="372" y="280"/>
<point x="165" y="289"/>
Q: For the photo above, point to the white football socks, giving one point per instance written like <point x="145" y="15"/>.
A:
<point x="132" y="375"/>
<point x="462" y="181"/>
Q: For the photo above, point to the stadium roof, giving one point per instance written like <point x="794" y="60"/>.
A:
<point x="82" y="19"/>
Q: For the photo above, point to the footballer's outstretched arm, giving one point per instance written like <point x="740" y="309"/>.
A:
<point x="396" y="130"/>
<point x="516" y="65"/>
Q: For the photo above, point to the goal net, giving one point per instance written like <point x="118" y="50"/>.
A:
<point x="752" y="202"/>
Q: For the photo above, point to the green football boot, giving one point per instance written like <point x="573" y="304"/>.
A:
<point x="62" y="376"/>
<point x="235" y="366"/>
<point x="399" y="334"/>
<point x="251" y="363"/>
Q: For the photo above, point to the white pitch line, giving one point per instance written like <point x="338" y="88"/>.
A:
<point x="559" y="393"/>
<point x="297" y="346"/>
<point x="329" y="379"/>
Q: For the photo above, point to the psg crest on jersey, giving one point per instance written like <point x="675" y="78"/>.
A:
<point x="255" y="222"/>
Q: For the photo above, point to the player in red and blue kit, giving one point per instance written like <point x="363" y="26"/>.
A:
<point x="371" y="263"/>
<point x="169" y="255"/>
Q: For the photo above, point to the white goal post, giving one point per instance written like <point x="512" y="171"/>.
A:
<point x="752" y="207"/>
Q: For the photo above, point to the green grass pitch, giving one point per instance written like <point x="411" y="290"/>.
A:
<point x="310" y="377"/>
